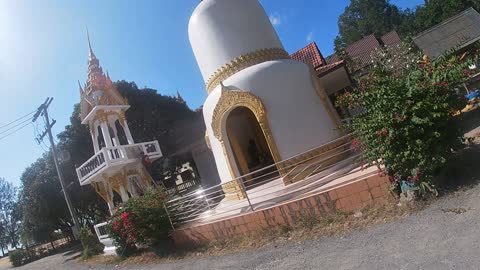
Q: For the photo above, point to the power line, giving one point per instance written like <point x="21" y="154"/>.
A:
<point x="6" y="125"/>
<point x="15" y="131"/>
<point x="17" y="125"/>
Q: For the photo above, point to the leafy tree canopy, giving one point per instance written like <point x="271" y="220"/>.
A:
<point x="365" y="17"/>
<point x="436" y="11"/>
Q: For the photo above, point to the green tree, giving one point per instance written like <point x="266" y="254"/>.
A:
<point x="436" y="11"/>
<point x="365" y="17"/>
<point x="152" y="116"/>
<point x="7" y="206"/>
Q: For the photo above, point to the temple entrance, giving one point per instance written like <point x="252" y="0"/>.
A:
<point x="249" y="146"/>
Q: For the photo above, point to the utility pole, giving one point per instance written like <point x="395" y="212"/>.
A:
<point x="42" y="110"/>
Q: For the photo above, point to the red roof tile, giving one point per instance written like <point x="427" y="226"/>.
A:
<point x="360" y="51"/>
<point x="310" y="55"/>
<point x="332" y="59"/>
<point x="328" y="68"/>
<point x="391" y="39"/>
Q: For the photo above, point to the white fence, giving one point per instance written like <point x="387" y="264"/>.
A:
<point x="115" y="155"/>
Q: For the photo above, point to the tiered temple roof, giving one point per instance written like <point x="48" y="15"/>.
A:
<point x="99" y="89"/>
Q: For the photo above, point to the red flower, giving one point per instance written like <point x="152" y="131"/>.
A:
<point x="384" y="132"/>
<point x="421" y="65"/>
<point x="115" y="226"/>
<point x="444" y="83"/>
<point x="355" y="144"/>
<point x="468" y="71"/>
<point x="417" y="176"/>
<point x="124" y="215"/>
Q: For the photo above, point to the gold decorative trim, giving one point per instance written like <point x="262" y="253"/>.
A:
<point x="101" y="191"/>
<point x="103" y="115"/>
<point x="242" y="62"/>
<point x="207" y="140"/>
<point x="322" y="94"/>
<point x="231" y="100"/>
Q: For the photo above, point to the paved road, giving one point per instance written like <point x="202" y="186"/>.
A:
<point x="430" y="239"/>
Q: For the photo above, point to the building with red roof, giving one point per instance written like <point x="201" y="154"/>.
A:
<point x="334" y="77"/>
<point x="360" y="52"/>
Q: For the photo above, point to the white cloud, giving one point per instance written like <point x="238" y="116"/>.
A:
<point x="309" y="36"/>
<point x="275" y="19"/>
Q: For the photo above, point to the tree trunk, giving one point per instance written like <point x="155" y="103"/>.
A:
<point x="3" y="253"/>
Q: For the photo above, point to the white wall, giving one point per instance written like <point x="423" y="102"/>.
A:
<point x="297" y="116"/>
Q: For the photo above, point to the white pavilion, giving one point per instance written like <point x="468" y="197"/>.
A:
<point x="117" y="163"/>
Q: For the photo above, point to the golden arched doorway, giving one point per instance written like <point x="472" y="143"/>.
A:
<point x="229" y="101"/>
<point x="248" y="144"/>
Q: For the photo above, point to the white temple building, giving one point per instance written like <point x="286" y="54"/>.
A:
<point x="262" y="106"/>
<point x="116" y="166"/>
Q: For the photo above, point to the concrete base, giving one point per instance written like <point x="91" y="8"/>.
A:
<point x="345" y="188"/>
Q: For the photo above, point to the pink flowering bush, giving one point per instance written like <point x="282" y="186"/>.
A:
<point x="408" y="111"/>
<point x="141" y="220"/>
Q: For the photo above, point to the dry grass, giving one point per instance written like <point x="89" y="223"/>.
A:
<point x="308" y="227"/>
<point x="5" y="261"/>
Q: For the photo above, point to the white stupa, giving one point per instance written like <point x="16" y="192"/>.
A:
<point x="262" y="107"/>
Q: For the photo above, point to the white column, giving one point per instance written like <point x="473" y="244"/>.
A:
<point x="127" y="132"/>
<point x="106" y="134"/>
<point x="116" y="141"/>
<point x="123" y="194"/>
<point x="95" y="142"/>
<point x="93" y="130"/>
<point x="111" y="205"/>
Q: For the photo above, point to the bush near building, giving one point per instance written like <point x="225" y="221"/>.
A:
<point x="90" y="243"/>
<point x="408" y="112"/>
<point x="140" y="221"/>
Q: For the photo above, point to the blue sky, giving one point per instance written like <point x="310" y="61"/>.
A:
<point x="43" y="52"/>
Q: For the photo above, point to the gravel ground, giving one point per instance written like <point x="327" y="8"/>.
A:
<point x="446" y="235"/>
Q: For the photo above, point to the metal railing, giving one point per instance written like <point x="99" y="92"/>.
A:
<point x="265" y="187"/>
<point x="101" y="231"/>
<point x="115" y="155"/>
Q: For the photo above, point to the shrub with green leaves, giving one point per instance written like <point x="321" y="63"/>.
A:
<point x="407" y="120"/>
<point x="90" y="243"/>
<point x="141" y="220"/>
<point x="19" y="257"/>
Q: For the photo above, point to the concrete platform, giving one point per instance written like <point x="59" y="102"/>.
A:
<point x="275" y="192"/>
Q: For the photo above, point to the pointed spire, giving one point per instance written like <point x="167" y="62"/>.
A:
<point x="80" y="88"/>
<point x="180" y="98"/>
<point x="91" y="55"/>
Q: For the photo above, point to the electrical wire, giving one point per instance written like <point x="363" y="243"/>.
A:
<point x="18" y="119"/>
<point x="15" y="131"/>
<point x="17" y="125"/>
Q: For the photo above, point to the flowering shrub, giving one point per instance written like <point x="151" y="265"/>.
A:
<point x="141" y="220"/>
<point x="407" y="117"/>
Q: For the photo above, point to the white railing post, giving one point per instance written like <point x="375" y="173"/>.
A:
<point x="106" y="156"/>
